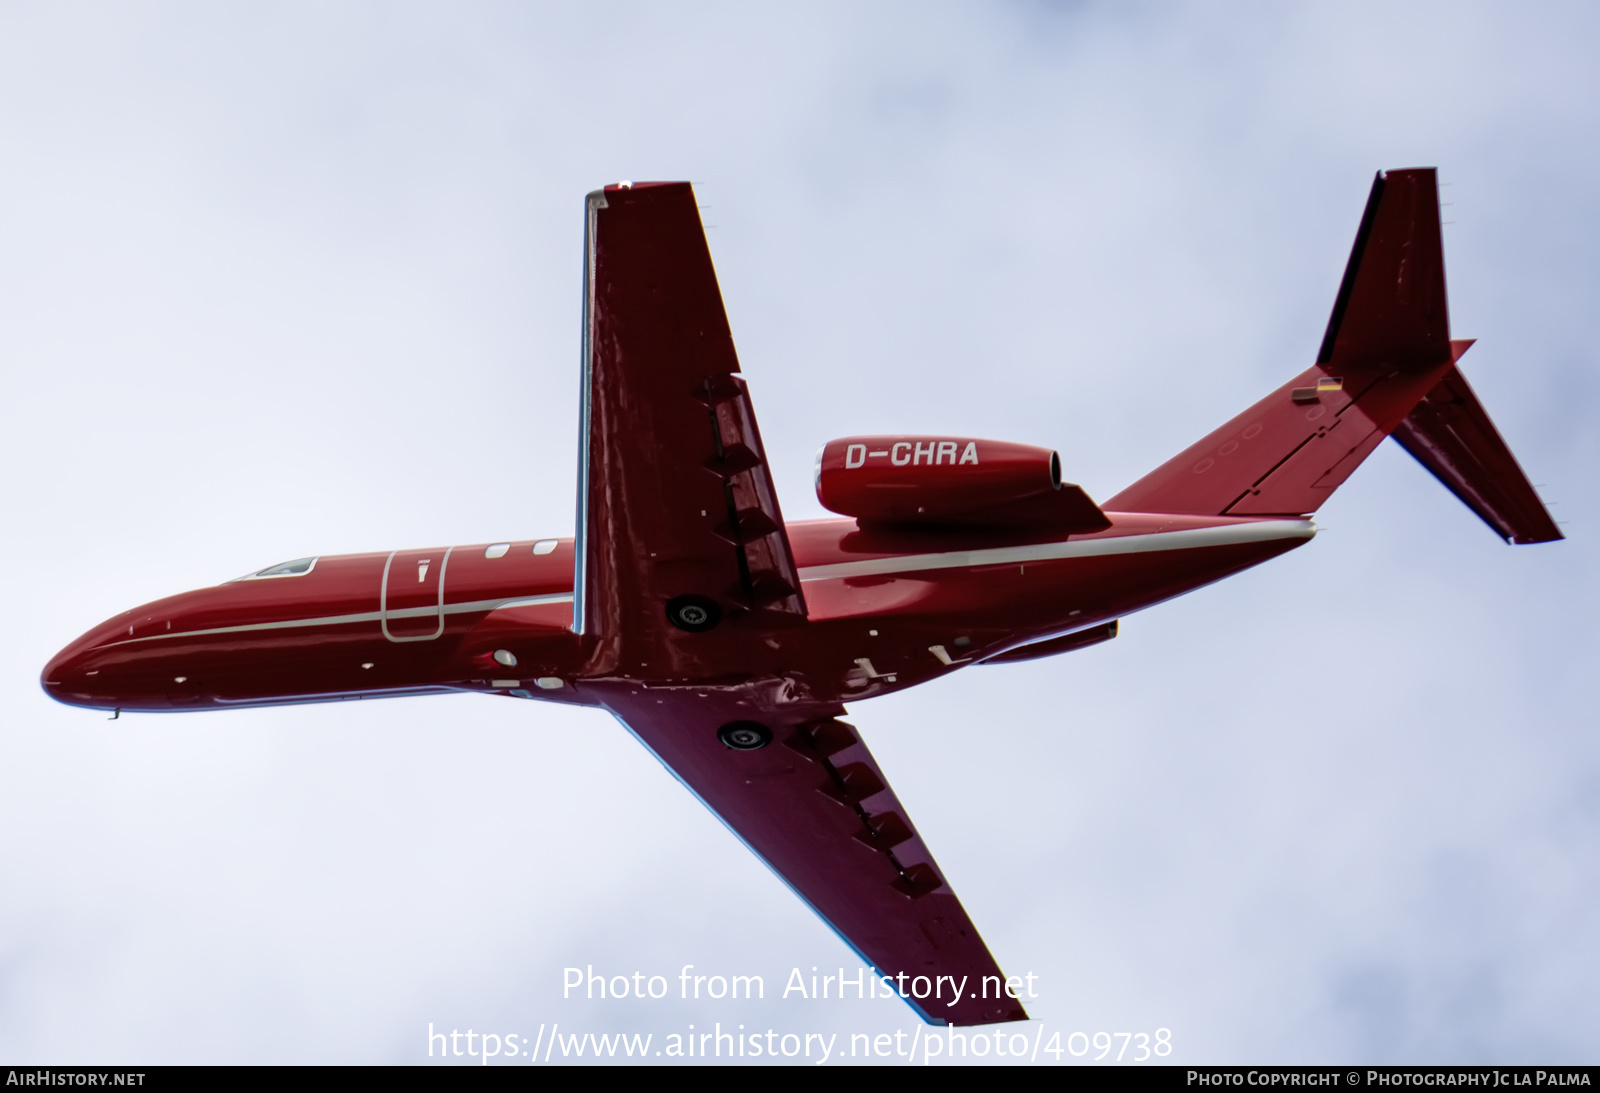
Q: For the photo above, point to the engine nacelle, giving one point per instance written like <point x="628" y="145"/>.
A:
<point x="909" y="480"/>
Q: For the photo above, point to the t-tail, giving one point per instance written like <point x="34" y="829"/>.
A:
<point x="1387" y="366"/>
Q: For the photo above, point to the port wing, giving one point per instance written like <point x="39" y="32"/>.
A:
<point x="675" y="498"/>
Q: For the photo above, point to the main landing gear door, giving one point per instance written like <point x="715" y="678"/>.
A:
<point x="411" y="606"/>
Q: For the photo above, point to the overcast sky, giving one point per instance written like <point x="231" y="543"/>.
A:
<point x="282" y="279"/>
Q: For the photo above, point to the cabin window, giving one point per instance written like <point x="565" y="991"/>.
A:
<point x="297" y="568"/>
<point x="496" y="551"/>
<point x="544" y="546"/>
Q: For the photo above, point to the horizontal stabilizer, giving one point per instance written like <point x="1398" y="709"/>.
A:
<point x="1450" y="434"/>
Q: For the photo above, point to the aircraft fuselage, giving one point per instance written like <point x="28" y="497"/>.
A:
<point x="883" y="613"/>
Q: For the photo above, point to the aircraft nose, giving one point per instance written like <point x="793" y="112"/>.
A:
<point x="113" y="666"/>
<point x="71" y="676"/>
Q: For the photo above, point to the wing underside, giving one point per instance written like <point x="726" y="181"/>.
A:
<point x="815" y="806"/>
<point x="675" y="498"/>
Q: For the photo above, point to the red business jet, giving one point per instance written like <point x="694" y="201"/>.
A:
<point x="727" y="641"/>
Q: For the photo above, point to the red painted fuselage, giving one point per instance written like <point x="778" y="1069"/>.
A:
<point x="886" y="611"/>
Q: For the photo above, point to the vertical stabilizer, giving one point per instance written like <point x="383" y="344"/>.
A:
<point x="1386" y="365"/>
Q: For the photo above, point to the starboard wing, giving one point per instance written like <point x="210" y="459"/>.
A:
<point x="814" y="805"/>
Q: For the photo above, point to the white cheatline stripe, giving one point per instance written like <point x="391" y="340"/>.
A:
<point x="334" y="696"/>
<point x="1259" y="531"/>
<point x="364" y="616"/>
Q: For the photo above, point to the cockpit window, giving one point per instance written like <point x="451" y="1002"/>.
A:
<point x="297" y="568"/>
